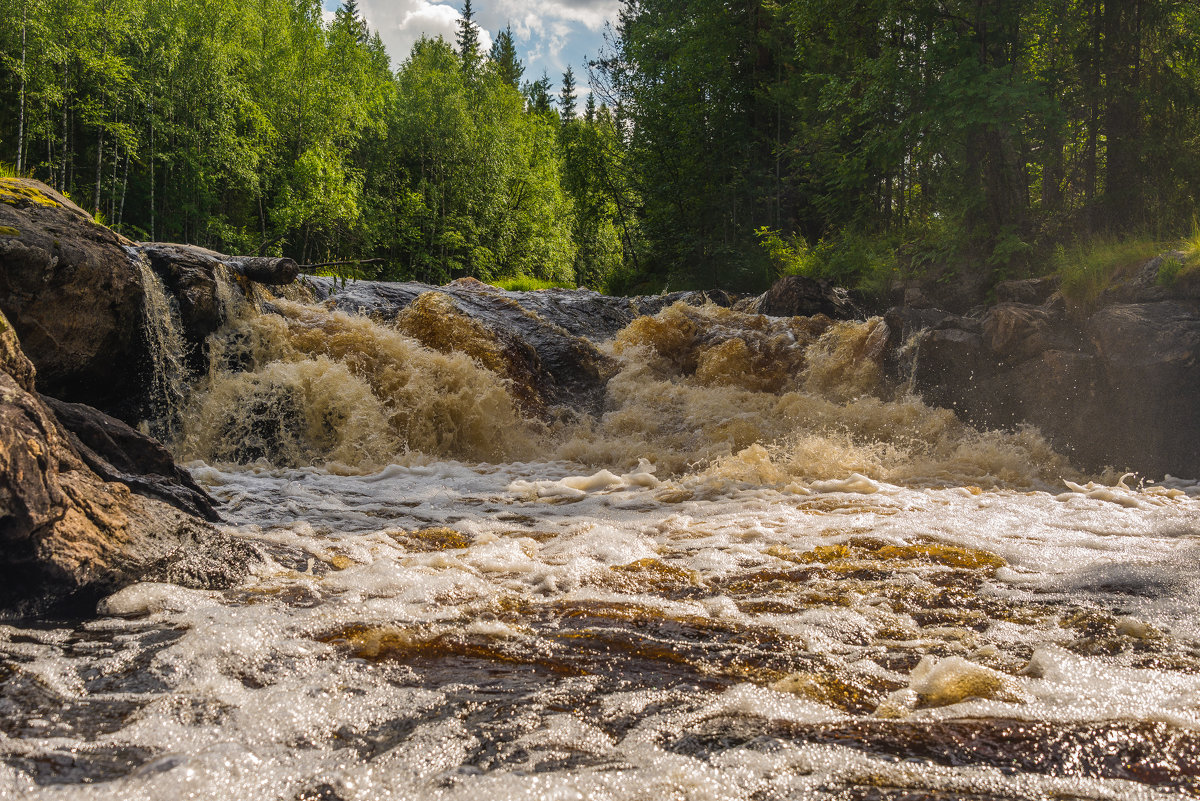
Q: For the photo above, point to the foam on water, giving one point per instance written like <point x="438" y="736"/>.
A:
<point x="446" y="630"/>
<point x="760" y="573"/>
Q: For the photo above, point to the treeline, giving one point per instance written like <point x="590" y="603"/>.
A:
<point x="729" y="141"/>
<point x="874" y="137"/>
<point x="255" y="125"/>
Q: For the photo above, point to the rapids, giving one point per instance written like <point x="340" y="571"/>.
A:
<point x="758" y="570"/>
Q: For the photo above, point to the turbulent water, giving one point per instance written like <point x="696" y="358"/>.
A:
<point x="760" y="572"/>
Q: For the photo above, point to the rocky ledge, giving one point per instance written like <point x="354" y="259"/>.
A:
<point x="1113" y="383"/>
<point x="74" y="526"/>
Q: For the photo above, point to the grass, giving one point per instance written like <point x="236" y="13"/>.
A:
<point x="524" y="283"/>
<point x="1087" y="269"/>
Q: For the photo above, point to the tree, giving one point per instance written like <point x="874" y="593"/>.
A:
<point x="350" y="18"/>
<point x="468" y="40"/>
<point x="503" y="58"/>
<point x="566" y="96"/>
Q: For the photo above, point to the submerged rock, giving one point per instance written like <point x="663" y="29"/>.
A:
<point x="67" y="534"/>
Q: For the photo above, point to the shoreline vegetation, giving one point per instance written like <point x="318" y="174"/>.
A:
<point x="947" y="145"/>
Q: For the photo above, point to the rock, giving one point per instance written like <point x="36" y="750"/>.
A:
<point x="71" y="292"/>
<point x="798" y="296"/>
<point x="68" y="536"/>
<point x="117" y="452"/>
<point x="13" y="360"/>
<point x="1032" y="291"/>
<point x="950" y="364"/>
<point x="190" y="275"/>
<point x="1149" y="356"/>
<point x="1015" y="332"/>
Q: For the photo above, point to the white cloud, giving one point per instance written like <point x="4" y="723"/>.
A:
<point x="548" y="32"/>
<point x="402" y="22"/>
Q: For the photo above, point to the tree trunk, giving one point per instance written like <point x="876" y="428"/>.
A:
<point x="1122" y="52"/>
<point x="21" y="115"/>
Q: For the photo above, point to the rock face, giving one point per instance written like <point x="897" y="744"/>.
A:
<point x="69" y="289"/>
<point x="547" y="339"/>
<point x="1117" y="387"/>
<point x="68" y="535"/>
<point x="798" y="296"/>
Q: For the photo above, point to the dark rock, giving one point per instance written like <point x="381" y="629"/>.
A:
<point x="117" y="452"/>
<point x="71" y="292"/>
<point x="1032" y="291"/>
<point x="1015" y="332"/>
<point x="950" y="366"/>
<point x="798" y="296"/>
<point x="190" y="275"/>
<point x="67" y="535"/>
<point x="1150" y="362"/>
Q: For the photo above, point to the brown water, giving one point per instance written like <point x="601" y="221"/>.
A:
<point x="760" y="572"/>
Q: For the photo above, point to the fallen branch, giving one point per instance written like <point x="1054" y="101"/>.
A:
<point x="340" y="263"/>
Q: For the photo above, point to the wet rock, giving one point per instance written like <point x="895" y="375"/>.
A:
<point x="67" y="535"/>
<point x="70" y="291"/>
<point x="1015" y="332"/>
<point x="189" y="274"/>
<point x="951" y="363"/>
<point x="1149" y="356"/>
<point x="799" y="296"/>
<point x="1032" y="291"/>
<point x="117" y="452"/>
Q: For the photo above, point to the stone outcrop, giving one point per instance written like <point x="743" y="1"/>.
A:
<point x="68" y="288"/>
<point x="1112" y="386"/>
<point x="798" y="296"/>
<point x="117" y="452"/>
<point x="67" y="533"/>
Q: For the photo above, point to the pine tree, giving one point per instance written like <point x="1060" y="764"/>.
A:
<point x="468" y="39"/>
<point x="537" y="95"/>
<point x="349" y="17"/>
<point x="504" y="58"/>
<point x="566" y="97"/>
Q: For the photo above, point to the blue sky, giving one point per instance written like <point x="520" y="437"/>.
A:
<point x="550" y="34"/>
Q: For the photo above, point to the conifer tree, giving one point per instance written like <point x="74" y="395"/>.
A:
<point x="350" y="17"/>
<point x="468" y="39"/>
<point x="566" y="97"/>
<point x="504" y="58"/>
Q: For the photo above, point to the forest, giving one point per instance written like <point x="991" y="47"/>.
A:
<point x="716" y="144"/>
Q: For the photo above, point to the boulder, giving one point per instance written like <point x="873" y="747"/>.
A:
<point x="117" y="452"/>
<point x="799" y="296"/>
<point x="71" y="291"/>
<point x="1032" y="291"/>
<point x="68" y="535"/>
<point x="1015" y="332"/>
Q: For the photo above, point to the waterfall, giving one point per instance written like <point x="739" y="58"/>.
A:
<point x="165" y="343"/>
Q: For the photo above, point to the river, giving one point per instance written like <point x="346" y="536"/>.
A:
<point x="758" y="570"/>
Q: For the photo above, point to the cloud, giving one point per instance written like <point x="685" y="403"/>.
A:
<point x="402" y="22"/>
<point x="550" y="34"/>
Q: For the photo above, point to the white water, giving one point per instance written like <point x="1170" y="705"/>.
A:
<point x="807" y="617"/>
<point x="310" y="674"/>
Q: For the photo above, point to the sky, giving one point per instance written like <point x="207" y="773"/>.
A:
<point x="550" y="34"/>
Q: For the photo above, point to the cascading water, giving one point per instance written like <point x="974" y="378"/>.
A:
<point x="165" y="344"/>
<point x="760" y="572"/>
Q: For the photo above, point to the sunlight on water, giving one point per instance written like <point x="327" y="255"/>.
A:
<point x="760" y="573"/>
